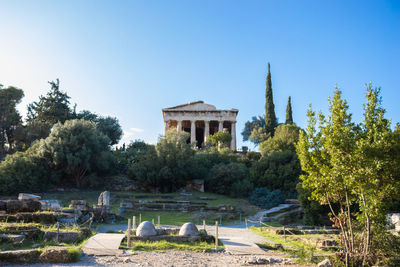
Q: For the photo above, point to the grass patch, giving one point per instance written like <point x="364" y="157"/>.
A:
<point x="74" y="254"/>
<point x="42" y="227"/>
<point x="163" y="245"/>
<point x="297" y="246"/>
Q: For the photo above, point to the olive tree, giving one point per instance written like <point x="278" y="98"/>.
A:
<point x="74" y="148"/>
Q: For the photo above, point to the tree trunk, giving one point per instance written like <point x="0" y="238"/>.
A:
<point x="346" y="248"/>
<point x="350" y="224"/>
<point x="368" y="229"/>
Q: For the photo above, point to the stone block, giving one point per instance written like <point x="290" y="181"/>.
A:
<point x="50" y="205"/>
<point x="325" y="263"/>
<point x="68" y="210"/>
<point x="46" y="218"/>
<point x="11" y="238"/>
<point x="126" y="204"/>
<point x="14" y="206"/>
<point x="20" y="256"/>
<point x="55" y="255"/>
<point x="24" y="196"/>
<point x="104" y="198"/>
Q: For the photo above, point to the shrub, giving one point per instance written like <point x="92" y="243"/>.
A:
<point x="280" y="170"/>
<point x="223" y="176"/>
<point x="265" y="198"/>
<point x="26" y="171"/>
<point x="241" y="188"/>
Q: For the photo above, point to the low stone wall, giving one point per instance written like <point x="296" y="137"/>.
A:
<point x="20" y="256"/>
<point x="50" y="255"/>
<point x="27" y="217"/>
<point x="29" y="231"/>
<point x="14" y="206"/>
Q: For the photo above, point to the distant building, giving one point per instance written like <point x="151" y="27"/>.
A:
<point x="201" y="120"/>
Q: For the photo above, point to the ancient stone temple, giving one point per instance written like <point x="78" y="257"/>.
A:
<point x="201" y="120"/>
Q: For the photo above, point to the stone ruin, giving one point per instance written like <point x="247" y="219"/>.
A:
<point x="146" y="231"/>
<point x="28" y="207"/>
<point x="98" y="213"/>
<point x="393" y="220"/>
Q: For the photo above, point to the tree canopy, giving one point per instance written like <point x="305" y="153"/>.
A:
<point x="285" y="138"/>
<point x="249" y="126"/>
<point x="52" y="108"/>
<point x="352" y="166"/>
<point x="75" y="148"/>
<point x="9" y="117"/>
<point x="270" y="117"/>
<point x="289" y="115"/>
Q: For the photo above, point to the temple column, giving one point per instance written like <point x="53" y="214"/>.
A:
<point x="206" y="130"/>
<point x="179" y="126"/>
<point x="166" y="127"/>
<point x="233" y="134"/>
<point x="220" y="126"/>
<point x="193" y="132"/>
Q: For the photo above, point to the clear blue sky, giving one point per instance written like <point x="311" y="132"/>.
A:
<point x="130" y="59"/>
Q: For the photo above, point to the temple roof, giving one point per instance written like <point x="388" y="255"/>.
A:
<point x="193" y="106"/>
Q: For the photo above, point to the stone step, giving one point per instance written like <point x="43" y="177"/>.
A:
<point x="11" y="238"/>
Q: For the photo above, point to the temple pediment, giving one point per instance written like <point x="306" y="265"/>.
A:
<point x="193" y="106"/>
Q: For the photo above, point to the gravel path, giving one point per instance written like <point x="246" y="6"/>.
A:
<point x="177" y="259"/>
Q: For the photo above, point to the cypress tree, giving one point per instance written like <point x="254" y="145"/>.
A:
<point x="270" y="118"/>
<point x="289" y="117"/>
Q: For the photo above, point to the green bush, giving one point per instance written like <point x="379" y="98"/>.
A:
<point x="241" y="188"/>
<point x="224" y="176"/>
<point x="26" y="171"/>
<point x="265" y="198"/>
<point x="280" y="170"/>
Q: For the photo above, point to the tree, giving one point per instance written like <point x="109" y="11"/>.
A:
<point x="176" y="158"/>
<point x="167" y="167"/>
<point x="52" y="108"/>
<point x="285" y="138"/>
<point x="130" y="155"/>
<point x="9" y="116"/>
<point x="220" y="138"/>
<point x="228" y="178"/>
<point x="258" y="135"/>
<point x="87" y="115"/>
<point x="352" y="166"/>
<point x="26" y="172"/>
<point x="280" y="170"/>
<point x="289" y="117"/>
<point x="270" y="118"/>
<point x="107" y="125"/>
<point x="249" y="126"/>
<point x="75" y="148"/>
